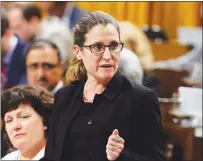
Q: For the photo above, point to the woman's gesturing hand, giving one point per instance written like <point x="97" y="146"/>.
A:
<point x="114" y="146"/>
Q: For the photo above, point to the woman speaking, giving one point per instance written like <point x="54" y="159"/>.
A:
<point x="101" y="115"/>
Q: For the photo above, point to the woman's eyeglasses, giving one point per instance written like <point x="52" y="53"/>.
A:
<point x="99" y="48"/>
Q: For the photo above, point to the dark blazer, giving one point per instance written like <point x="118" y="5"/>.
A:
<point x="75" y="16"/>
<point x="151" y="81"/>
<point x="17" y="70"/>
<point x="136" y="115"/>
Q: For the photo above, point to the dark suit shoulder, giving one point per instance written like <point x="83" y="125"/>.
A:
<point x="144" y="100"/>
<point x="65" y="94"/>
<point x="68" y="91"/>
<point x="79" y="11"/>
<point x="140" y="95"/>
<point x="69" y="88"/>
<point x="136" y="89"/>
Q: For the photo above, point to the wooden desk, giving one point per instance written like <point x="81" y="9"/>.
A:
<point x="198" y="149"/>
<point x="178" y="135"/>
<point x="182" y="137"/>
<point x="169" y="50"/>
<point x="170" y="80"/>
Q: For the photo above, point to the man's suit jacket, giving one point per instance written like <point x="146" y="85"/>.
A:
<point x="136" y="115"/>
<point x="17" y="71"/>
<point x="75" y="16"/>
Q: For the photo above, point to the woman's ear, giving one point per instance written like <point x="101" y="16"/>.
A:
<point x="76" y="50"/>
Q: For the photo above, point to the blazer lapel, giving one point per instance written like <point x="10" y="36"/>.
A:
<point x="64" y="122"/>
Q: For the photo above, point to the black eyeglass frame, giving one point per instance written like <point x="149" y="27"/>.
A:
<point x="105" y="46"/>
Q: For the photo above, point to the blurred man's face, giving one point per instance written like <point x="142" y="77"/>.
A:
<point x="43" y="68"/>
<point x="19" y="25"/>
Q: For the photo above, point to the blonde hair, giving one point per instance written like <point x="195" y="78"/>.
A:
<point x="76" y="71"/>
<point x="135" y="40"/>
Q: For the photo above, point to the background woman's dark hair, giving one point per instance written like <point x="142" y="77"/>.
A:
<point x="77" y="70"/>
<point x="39" y="98"/>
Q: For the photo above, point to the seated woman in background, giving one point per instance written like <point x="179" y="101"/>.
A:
<point x="25" y="114"/>
<point x="136" y="40"/>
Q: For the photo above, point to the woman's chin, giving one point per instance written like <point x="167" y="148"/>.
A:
<point x="20" y="143"/>
<point x="107" y="76"/>
<point x="20" y="146"/>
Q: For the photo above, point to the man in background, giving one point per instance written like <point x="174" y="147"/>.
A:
<point x="26" y="21"/>
<point x="13" y="49"/>
<point x="66" y="11"/>
<point x="44" y="65"/>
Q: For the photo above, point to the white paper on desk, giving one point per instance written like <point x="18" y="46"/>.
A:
<point x="191" y="103"/>
<point x="195" y="33"/>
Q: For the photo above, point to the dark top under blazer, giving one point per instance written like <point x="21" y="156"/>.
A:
<point x="136" y="115"/>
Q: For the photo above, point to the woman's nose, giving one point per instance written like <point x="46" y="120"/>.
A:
<point x="107" y="54"/>
<point x="17" y="125"/>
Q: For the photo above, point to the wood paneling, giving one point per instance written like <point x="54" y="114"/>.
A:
<point x="169" y="15"/>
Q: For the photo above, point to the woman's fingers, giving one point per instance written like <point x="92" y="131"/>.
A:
<point x="117" y="138"/>
<point x="114" y="146"/>
<point x="112" y="155"/>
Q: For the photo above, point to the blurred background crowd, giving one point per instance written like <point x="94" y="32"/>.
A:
<point x="162" y="50"/>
